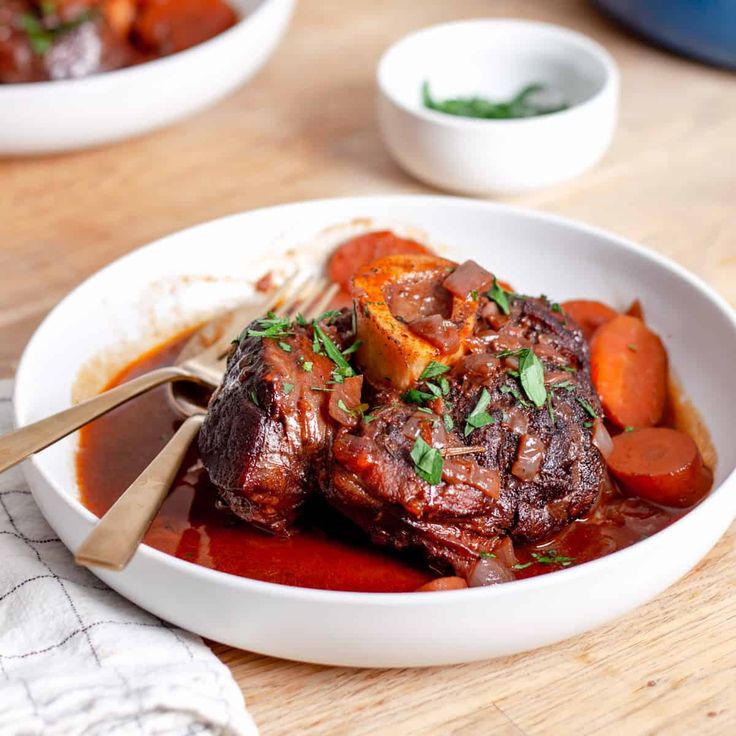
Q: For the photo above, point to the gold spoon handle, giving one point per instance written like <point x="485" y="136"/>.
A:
<point x="17" y="446"/>
<point x="118" y="533"/>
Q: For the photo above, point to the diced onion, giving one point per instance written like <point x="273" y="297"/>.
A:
<point x="489" y="571"/>
<point x="529" y="458"/>
<point x="467" y="277"/>
<point x="601" y="439"/>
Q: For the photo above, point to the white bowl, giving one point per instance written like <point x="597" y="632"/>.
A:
<point x="177" y="280"/>
<point x="495" y="59"/>
<point x="48" y="117"/>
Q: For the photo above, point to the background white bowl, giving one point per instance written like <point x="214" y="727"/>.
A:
<point x="47" y="117"/>
<point x="181" y="278"/>
<point x="495" y="59"/>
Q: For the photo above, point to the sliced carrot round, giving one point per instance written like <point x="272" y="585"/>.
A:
<point x="363" y="249"/>
<point x="589" y="315"/>
<point x="659" y="464"/>
<point x="167" y="26"/>
<point x="448" y="583"/>
<point x="629" y="369"/>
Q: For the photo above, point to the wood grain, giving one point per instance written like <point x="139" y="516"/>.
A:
<point x="305" y="128"/>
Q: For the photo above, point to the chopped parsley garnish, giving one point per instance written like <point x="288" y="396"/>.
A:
<point x="519" y="106"/>
<point x="307" y="365"/>
<point x="415" y="396"/>
<point x="486" y="555"/>
<point x="288" y="388"/>
<point x="586" y="405"/>
<point x="42" y="37"/>
<point x="300" y="320"/>
<point x="341" y="405"/>
<point x="352" y="348"/>
<point x="285" y="346"/>
<point x="254" y="397"/>
<point x="434" y="389"/>
<point x="424" y="410"/>
<point x="506" y="389"/>
<point x="328" y="316"/>
<point x="550" y="557"/>
<point x="479" y="417"/>
<point x="428" y="462"/>
<point x="531" y="375"/>
<point x="444" y="385"/>
<point x="433" y="369"/>
<point x="270" y="326"/>
<point x="567" y="385"/>
<point x="333" y="353"/>
<point x="628" y="429"/>
<point x="500" y="296"/>
<point x="447" y="421"/>
<point x="550" y="410"/>
<point x="555" y="307"/>
<point x="368" y="418"/>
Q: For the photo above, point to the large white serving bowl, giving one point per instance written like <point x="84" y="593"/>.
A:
<point x="496" y="58"/>
<point x="175" y="281"/>
<point x="49" y="117"/>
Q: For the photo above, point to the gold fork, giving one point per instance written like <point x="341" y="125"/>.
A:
<point x="113" y="541"/>
<point x="201" y="366"/>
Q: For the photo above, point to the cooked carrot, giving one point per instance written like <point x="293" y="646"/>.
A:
<point x="167" y="26"/>
<point x="448" y="583"/>
<point x="629" y="369"/>
<point x="661" y="465"/>
<point x="358" y="251"/>
<point x="589" y="315"/>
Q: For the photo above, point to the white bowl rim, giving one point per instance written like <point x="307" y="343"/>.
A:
<point x="575" y="38"/>
<point x="129" y="73"/>
<point x="353" y="598"/>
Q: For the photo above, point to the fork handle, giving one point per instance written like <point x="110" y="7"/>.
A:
<point x="118" y="533"/>
<point x="17" y="446"/>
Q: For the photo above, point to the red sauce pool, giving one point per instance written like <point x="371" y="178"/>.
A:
<point x="327" y="553"/>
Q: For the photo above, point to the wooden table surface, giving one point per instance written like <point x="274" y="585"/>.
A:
<point x="305" y="128"/>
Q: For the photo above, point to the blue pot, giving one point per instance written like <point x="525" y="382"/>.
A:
<point x="703" y="29"/>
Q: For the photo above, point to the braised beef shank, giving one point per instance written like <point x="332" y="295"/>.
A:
<point x="531" y="470"/>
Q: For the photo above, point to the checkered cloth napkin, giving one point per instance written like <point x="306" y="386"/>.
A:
<point x="76" y="658"/>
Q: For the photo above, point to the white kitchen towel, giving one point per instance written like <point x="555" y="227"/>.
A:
<point x="76" y="658"/>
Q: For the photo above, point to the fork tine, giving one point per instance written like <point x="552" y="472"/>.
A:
<point x="324" y="298"/>
<point x="282" y="292"/>
<point x="301" y="295"/>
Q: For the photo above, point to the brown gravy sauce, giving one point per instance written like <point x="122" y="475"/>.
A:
<point x="327" y="552"/>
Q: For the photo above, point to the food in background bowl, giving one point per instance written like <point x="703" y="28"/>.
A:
<point x="68" y="39"/>
<point x="443" y="426"/>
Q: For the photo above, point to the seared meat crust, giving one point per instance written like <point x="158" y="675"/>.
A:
<point x="266" y="436"/>
<point x="275" y="434"/>
<point x="374" y="480"/>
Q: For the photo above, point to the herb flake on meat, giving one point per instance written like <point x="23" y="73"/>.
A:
<point x="433" y="369"/>
<point x="479" y="417"/>
<point x="499" y="295"/>
<point x="428" y="462"/>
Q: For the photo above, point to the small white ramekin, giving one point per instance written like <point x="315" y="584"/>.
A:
<point x="496" y="58"/>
